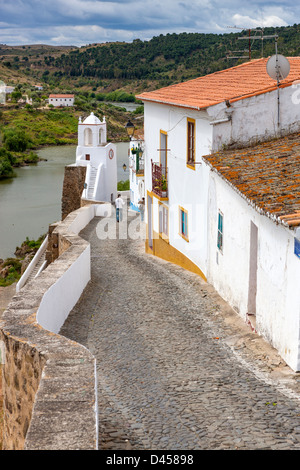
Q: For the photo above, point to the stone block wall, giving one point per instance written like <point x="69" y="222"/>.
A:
<point x="49" y="381"/>
<point x="73" y="186"/>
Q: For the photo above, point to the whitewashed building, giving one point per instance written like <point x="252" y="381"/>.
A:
<point x="237" y="107"/>
<point x="61" y="100"/>
<point x="136" y="172"/>
<point x="100" y="159"/>
<point x="254" y="237"/>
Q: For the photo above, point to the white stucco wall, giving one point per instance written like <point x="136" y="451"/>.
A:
<point x="186" y="187"/>
<point x="256" y="118"/>
<point x="278" y="268"/>
<point x="63" y="295"/>
<point x="58" y="101"/>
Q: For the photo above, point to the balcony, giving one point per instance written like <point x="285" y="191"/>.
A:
<point x="138" y="161"/>
<point x="159" y="180"/>
<point x="139" y="166"/>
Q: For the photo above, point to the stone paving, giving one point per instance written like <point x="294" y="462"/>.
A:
<point x="177" y="369"/>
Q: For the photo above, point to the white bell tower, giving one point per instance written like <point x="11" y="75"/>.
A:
<point x="99" y="157"/>
<point x="92" y="132"/>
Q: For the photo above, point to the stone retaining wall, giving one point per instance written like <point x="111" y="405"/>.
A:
<point x="73" y="185"/>
<point x="49" y="382"/>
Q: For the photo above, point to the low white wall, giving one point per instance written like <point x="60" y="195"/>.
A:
<point x="63" y="295"/>
<point x="32" y="265"/>
<point x="82" y="219"/>
<point x="49" y="412"/>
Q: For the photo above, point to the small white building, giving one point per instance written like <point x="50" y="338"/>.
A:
<point x="5" y="90"/>
<point x="253" y="235"/>
<point x="100" y="159"/>
<point x="236" y="107"/>
<point x="61" y="100"/>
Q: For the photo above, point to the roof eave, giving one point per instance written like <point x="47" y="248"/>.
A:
<point x="178" y="105"/>
<point x="278" y="220"/>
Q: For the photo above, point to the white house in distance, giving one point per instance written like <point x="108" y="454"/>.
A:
<point x="5" y="90"/>
<point x="100" y="158"/>
<point x="198" y="215"/>
<point x="61" y="100"/>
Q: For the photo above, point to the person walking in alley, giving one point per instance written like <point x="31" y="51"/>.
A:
<point x="141" y="206"/>
<point x="119" y="208"/>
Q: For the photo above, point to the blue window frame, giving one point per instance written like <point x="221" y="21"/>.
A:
<point x="220" y="231"/>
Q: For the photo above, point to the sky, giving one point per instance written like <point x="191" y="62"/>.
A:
<point x="82" y="22"/>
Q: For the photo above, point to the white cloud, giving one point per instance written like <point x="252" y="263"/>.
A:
<point x="81" y="22"/>
<point x="265" y="21"/>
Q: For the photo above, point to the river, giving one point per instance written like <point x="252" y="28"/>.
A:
<point x="31" y="201"/>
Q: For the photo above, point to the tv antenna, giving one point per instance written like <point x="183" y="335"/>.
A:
<point x="278" y="68"/>
<point x="251" y="38"/>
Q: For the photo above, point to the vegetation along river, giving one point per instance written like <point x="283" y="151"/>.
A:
<point x="32" y="200"/>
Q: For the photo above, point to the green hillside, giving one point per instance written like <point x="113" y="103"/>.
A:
<point x="143" y="65"/>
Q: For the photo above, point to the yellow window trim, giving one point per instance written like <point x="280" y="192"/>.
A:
<point x="158" y="197"/>
<point x="190" y="165"/>
<point x="181" y="209"/>
<point x="150" y="194"/>
<point x="166" y="134"/>
<point x="162" y="235"/>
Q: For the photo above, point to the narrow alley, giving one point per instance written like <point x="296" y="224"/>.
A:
<point x="177" y="369"/>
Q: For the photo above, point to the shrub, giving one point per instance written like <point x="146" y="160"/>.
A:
<point x="6" y="162"/>
<point x="15" y="140"/>
<point x="123" y="185"/>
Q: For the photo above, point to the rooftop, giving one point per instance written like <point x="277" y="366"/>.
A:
<point x="60" y="96"/>
<point x="232" y="84"/>
<point x="266" y="175"/>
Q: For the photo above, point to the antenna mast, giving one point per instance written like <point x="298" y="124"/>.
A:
<point x="278" y="68"/>
<point x="249" y="38"/>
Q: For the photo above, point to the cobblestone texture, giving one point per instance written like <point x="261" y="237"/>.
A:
<point x="177" y="370"/>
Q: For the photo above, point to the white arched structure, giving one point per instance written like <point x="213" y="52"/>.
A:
<point x="99" y="157"/>
<point x="88" y="136"/>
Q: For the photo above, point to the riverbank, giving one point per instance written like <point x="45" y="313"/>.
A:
<point x="11" y="269"/>
<point x="58" y="126"/>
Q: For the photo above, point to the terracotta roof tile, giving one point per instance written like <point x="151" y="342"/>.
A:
<point x="61" y="96"/>
<point x="232" y="84"/>
<point x="267" y="176"/>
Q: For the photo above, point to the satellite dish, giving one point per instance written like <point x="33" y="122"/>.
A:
<point x="278" y="67"/>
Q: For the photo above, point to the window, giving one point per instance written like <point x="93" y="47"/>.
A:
<point x="163" y="151"/>
<point x="191" y="142"/>
<point x="183" y="223"/>
<point x="220" y="231"/>
<point x="163" y="221"/>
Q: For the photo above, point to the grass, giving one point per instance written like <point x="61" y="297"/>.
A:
<point x="50" y="126"/>
<point x="14" y="265"/>
<point x="42" y="127"/>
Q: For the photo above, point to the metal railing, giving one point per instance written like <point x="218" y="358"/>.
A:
<point x="159" y="180"/>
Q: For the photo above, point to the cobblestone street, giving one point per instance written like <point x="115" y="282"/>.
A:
<point x="177" y="369"/>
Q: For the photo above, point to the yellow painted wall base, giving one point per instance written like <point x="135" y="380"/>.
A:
<point x="164" y="250"/>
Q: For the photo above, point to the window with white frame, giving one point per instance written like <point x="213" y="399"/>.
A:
<point x="163" y="221"/>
